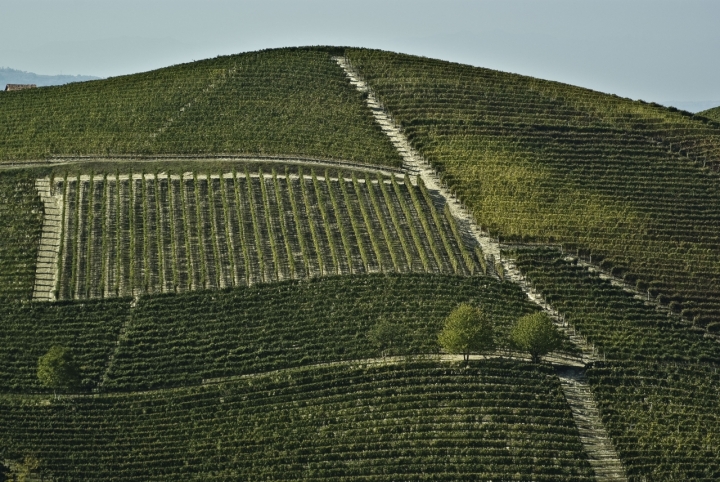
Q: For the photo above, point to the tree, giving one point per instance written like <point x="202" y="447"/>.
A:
<point x="57" y="369"/>
<point x="25" y="471"/>
<point x="536" y="335"/>
<point x="386" y="335"/>
<point x="467" y="330"/>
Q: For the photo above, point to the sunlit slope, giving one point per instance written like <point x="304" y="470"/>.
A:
<point x="287" y="101"/>
<point x="713" y="113"/>
<point x="539" y="160"/>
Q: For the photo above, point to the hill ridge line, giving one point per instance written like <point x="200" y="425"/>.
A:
<point x="601" y="452"/>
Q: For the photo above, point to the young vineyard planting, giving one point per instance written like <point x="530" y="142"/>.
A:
<point x="634" y="184"/>
<point x="498" y="420"/>
<point x="124" y="235"/>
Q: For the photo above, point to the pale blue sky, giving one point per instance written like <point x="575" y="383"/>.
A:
<point x="663" y="51"/>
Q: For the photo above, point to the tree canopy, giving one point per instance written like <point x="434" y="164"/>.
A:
<point x="536" y="335"/>
<point x="467" y="330"/>
<point x="58" y="370"/>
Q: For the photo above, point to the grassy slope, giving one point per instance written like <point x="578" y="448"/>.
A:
<point x="287" y="101"/>
<point x="540" y="160"/>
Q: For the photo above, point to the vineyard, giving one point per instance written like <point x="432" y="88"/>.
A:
<point x="21" y="214"/>
<point x="179" y="340"/>
<point x="657" y="389"/>
<point x="713" y="114"/>
<point x="284" y="101"/>
<point x="631" y="183"/>
<point x="250" y="265"/>
<point x="497" y="420"/>
<point x="127" y="234"/>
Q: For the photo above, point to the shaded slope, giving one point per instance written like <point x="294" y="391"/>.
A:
<point x="178" y="340"/>
<point x="287" y="101"/>
<point x="538" y="160"/>
<point x="90" y="329"/>
<point x="21" y="214"/>
<point x="497" y="420"/>
<point x="175" y="340"/>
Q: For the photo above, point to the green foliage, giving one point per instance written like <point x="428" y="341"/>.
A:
<point x="540" y="161"/>
<point x="613" y="320"/>
<point x="387" y="335"/>
<point x="657" y="391"/>
<point x="536" y="335"/>
<point x="175" y="340"/>
<point x="467" y="330"/>
<point x="20" y="228"/>
<point x="57" y="369"/>
<point x="662" y="418"/>
<point x="497" y="420"/>
<point x="713" y="114"/>
<point x="88" y="328"/>
<point x="285" y="101"/>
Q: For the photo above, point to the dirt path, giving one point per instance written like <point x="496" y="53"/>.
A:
<point x="601" y="453"/>
<point x="597" y="444"/>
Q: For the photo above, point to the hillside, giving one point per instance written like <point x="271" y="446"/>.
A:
<point x="251" y="260"/>
<point x="293" y="102"/>
<point x="632" y="185"/>
<point x="713" y="114"/>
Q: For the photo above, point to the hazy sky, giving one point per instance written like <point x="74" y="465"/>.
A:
<point x="656" y="50"/>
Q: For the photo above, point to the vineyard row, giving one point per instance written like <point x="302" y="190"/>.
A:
<point x="123" y="235"/>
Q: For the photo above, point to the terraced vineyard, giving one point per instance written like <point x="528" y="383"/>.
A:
<point x="631" y="183"/>
<point x="157" y="233"/>
<point x="657" y="389"/>
<point x="282" y="101"/>
<point x="499" y="420"/>
<point x="244" y="259"/>
<point x="21" y="215"/>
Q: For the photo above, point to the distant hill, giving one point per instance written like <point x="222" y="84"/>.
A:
<point x="12" y="76"/>
<point x="713" y="114"/>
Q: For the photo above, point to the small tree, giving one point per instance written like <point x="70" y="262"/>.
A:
<point x="536" y="335"/>
<point x="467" y="330"/>
<point x="386" y="335"/>
<point x="27" y="469"/>
<point x="57" y="369"/>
